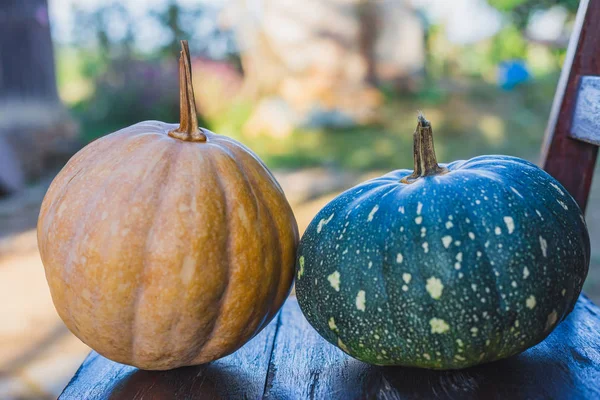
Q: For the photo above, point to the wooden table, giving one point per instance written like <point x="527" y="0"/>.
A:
<point x="289" y="360"/>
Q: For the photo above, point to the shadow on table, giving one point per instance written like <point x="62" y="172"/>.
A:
<point x="544" y="371"/>
<point x="193" y="383"/>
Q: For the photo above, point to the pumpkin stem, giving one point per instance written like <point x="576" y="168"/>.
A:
<point x="424" y="152"/>
<point x="188" y="121"/>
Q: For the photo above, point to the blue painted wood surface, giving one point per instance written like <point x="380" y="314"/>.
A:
<point x="289" y="360"/>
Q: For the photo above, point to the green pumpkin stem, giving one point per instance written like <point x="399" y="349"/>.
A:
<point x="424" y="152"/>
<point x="188" y="129"/>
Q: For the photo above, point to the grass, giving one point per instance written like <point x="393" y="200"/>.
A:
<point x="470" y="120"/>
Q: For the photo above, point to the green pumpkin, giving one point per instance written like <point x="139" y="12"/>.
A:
<point x="445" y="267"/>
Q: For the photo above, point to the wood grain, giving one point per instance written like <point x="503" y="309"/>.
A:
<point x="569" y="160"/>
<point x="238" y="376"/>
<point x="289" y="360"/>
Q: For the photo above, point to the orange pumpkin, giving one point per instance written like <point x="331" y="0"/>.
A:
<point x="167" y="245"/>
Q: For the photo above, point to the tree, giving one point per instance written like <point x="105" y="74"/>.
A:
<point x="33" y="122"/>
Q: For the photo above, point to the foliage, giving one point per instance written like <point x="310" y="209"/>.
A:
<point x="519" y="11"/>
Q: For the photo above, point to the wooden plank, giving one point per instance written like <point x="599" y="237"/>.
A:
<point x="238" y="376"/>
<point x="586" y="118"/>
<point x="565" y="366"/>
<point x="569" y="160"/>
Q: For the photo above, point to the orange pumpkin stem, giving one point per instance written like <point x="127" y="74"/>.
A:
<point x="188" y="129"/>
<point x="424" y="152"/>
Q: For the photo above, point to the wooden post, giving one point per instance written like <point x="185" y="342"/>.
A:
<point x="35" y="128"/>
<point x="568" y="153"/>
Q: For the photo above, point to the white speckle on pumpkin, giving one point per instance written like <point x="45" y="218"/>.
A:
<point x="539" y="214"/>
<point x="334" y="280"/>
<point x="449" y="224"/>
<point x="406" y="277"/>
<point x="510" y="224"/>
<point x="555" y="186"/>
<point x="563" y="292"/>
<point x="405" y="288"/>
<point x="552" y="317"/>
<point x="474" y="331"/>
<point x="513" y="284"/>
<point x="478" y="254"/>
<point x="460" y="275"/>
<point x="459" y="358"/>
<point x="419" y="208"/>
<point x="423" y="231"/>
<point x="530" y="302"/>
<point x="457" y="243"/>
<point x="301" y="269"/>
<point x="361" y="300"/>
<point x="544" y="246"/>
<point x="401" y="209"/>
<point x="450" y="217"/>
<point x="372" y="213"/>
<point x="332" y="325"/>
<point x="438" y="325"/>
<point x="418" y="220"/>
<point x="525" y="273"/>
<point x="457" y="265"/>
<point x="434" y="287"/>
<point x="459" y="256"/>
<point x="477" y="202"/>
<point x="498" y="231"/>
<point x="471" y="235"/>
<point x="399" y="258"/>
<point x="324" y="222"/>
<point x="401" y="229"/>
<point x="425" y="246"/>
<point x="562" y="203"/>
<point x="516" y="192"/>
<point x="426" y="356"/>
<point x="459" y="342"/>
<point x="370" y="264"/>
<point x="473" y="286"/>
<point x="446" y="240"/>
<point x="345" y="251"/>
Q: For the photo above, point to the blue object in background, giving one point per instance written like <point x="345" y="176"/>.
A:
<point x="512" y="73"/>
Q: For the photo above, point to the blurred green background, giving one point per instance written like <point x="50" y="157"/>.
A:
<point x="326" y="92"/>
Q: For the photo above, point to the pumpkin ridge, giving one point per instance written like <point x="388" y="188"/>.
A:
<point x="140" y="288"/>
<point x="91" y="207"/>
<point x="225" y="291"/>
<point x="278" y="259"/>
<point x="260" y="200"/>
<point x="50" y="210"/>
<point x="271" y="297"/>
<point x="167" y="156"/>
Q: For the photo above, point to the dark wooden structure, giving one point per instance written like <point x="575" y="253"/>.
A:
<point x="289" y="360"/>
<point x="572" y="138"/>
